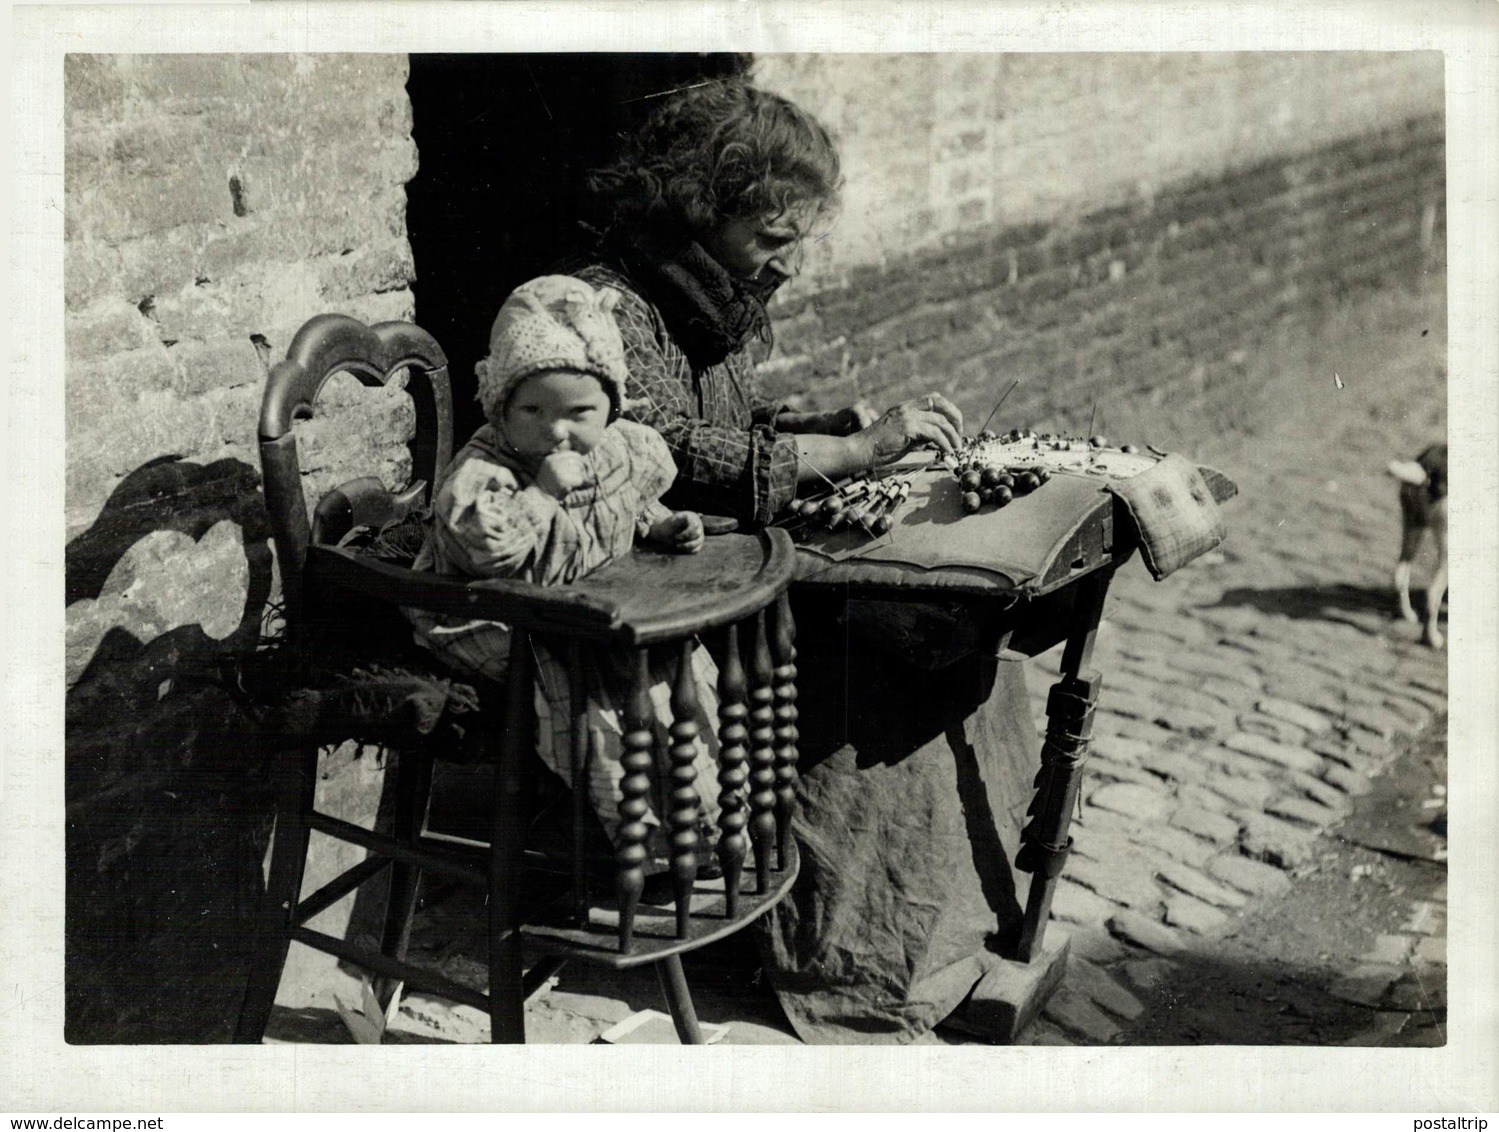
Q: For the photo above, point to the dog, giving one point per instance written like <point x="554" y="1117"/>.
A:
<point x="1423" y="507"/>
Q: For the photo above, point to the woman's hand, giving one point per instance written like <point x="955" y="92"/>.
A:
<point x="681" y="531"/>
<point x="561" y="472"/>
<point x="931" y="419"/>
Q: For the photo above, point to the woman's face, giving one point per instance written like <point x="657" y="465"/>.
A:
<point x="760" y="249"/>
<point x="556" y="411"/>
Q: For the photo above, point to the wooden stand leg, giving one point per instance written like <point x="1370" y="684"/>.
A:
<point x="679" y="1000"/>
<point x="296" y="772"/>
<point x="1069" y="712"/>
<point x="1045" y="841"/>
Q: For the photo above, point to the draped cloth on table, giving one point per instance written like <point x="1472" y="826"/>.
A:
<point x="913" y="788"/>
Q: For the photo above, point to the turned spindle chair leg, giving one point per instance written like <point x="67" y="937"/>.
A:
<point x="786" y="734"/>
<point x="683" y="813"/>
<point x="296" y="772"/>
<point x="762" y="756"/>
<point x="679" y="1000"/>
<point x="637" y="761"/>
<point x="732" y="769"/>
<point x="517" y="742"/>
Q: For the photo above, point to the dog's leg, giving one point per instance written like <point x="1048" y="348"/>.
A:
<point x="1413" y="521"/>
<point x="1403" y="590"/>
<point x="1437" y="589"/>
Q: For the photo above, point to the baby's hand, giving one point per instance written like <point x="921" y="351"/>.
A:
<point x="561" y="472"/>
<point x="681" y="531"/>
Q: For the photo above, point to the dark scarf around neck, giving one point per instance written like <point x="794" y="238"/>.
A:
<point x="709" y="312"/>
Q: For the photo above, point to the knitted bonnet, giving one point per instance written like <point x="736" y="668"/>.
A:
<point x="550" y="323"/>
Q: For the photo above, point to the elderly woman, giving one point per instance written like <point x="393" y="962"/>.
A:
<point x="908" y="776"/>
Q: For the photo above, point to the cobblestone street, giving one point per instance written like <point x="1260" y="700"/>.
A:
<point x="1250" y="703"/>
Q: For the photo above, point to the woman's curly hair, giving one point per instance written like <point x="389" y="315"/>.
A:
<point x="720" y="150"/>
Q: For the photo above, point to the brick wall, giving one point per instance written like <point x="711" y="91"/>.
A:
<point x="212" y="203"/>
<point x="1109" y="229"/>
<point x="935" y="146"/>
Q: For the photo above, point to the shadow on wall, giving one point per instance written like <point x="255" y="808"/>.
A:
<point x="164" y="494"/>
<point x="167" y="802"/>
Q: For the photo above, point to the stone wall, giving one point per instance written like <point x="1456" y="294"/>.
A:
<point x="1112" y="229"/>
<point x="212" y="204"/>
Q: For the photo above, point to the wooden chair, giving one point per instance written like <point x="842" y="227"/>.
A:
<point x="337" y="597"/>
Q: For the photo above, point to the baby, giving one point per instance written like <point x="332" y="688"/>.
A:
<point x="552" y="487"/>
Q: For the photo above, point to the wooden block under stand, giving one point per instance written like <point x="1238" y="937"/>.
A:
<point x="1011" y="994"/>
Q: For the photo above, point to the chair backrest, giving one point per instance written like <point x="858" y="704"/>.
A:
<point x="327" y="345"/>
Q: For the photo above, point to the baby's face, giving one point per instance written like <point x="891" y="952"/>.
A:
<point x="556" y="411"/>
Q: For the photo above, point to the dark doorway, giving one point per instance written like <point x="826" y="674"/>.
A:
<point x="504" y="142"/>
